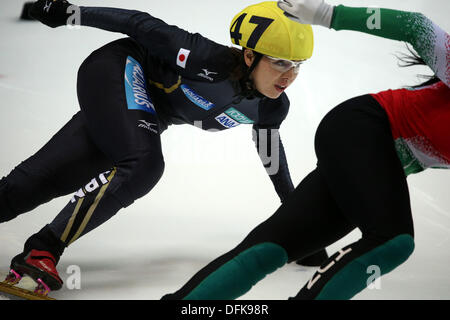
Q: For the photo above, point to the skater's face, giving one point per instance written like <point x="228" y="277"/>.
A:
<point x="269" y="77"/>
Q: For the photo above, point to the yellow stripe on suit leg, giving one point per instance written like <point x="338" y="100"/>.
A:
<point x="92" y="208"/>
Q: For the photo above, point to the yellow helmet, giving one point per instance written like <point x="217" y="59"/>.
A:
<point x="263" y="27"/>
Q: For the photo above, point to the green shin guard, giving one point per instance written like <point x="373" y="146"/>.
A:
<point x="353" y="278"/>
<point x="238" y="275"/>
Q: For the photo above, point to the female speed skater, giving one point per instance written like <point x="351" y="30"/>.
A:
<point x="366" y="147"/>
<point x="130" y="91"/>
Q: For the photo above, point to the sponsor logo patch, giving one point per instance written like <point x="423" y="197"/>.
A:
<point x="196" y="99"/>
<point x="238" y="116"/>
<point x="136" y="87"/>
<point x="226" y="121"/>
<point x="182" y="57"/>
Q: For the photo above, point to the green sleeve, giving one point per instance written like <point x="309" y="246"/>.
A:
<point x="386" y="23"/>
<point x="430" y="41"/>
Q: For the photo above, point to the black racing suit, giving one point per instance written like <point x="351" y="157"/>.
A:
<point x="366" y="189"/>
<point x="130" y="91"/>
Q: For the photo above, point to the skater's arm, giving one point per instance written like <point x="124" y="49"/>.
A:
<point x="269" y="146"/>
<point x="428" y="39"/>
<point x="188" y="53"/>
<point x="165" y="41"/>
<point x="274" y="161"/>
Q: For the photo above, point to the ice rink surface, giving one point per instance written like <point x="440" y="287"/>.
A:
<point x="214" y="189"/>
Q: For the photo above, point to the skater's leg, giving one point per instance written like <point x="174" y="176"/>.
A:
<point x="127" y="135"/>
<point x="57" y="169"/>
<point x="306" y="222"/>
<point x="358" y="161"/>
<point x="314" y="260"/>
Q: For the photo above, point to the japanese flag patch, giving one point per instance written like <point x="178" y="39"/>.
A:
<point x="182" y="57"/>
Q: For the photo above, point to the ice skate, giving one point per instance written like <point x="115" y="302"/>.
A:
<point x="11" y="287"/>
<point x="38" y="265"/>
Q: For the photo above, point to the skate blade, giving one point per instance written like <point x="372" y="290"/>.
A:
<point x="42" y="288"/>
<point x="13" y="277"/>
<point x="22" y="293"/>
<point x="9" y="287"/>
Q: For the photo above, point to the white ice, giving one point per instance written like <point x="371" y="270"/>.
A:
<point x="214" y="190"/>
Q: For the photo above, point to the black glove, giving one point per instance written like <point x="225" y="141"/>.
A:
<point x="53" y="13"/>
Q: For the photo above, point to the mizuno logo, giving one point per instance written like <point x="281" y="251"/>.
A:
<point x="47" y="6"/>
<point x="148" y="125"/>
<point x="207" y="74"/>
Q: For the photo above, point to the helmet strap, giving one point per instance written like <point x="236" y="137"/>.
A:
<point x="248" y="87"/>
<point x="258" y="57"/>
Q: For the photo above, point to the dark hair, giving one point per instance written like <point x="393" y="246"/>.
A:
<point x="240" y="67"/>
<point x="413" y="59"/>
<point x="241" y="73"/>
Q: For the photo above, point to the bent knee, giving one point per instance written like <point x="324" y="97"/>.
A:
<point x="137" y="177"/>
<point x="149" y="170"/>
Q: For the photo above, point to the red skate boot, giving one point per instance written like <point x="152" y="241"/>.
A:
<point x="41" y="267"/>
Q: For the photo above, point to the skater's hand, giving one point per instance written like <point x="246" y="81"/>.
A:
<point x="53" y="13"/>
<point x="308" y="11"/>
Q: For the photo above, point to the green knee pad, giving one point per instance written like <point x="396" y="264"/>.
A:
<point x="353" y="278"/>
<point x="238" y="275"/>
